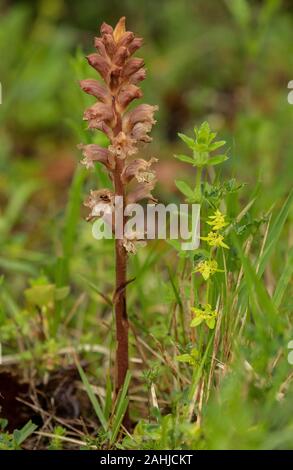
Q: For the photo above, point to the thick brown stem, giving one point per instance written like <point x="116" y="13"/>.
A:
<point x="120" y="297"/>
<point x="121" y="316"/>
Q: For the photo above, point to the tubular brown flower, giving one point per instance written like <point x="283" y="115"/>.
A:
<point x="139" y="169"/>
<point x="143" y="191"/>
<point x="121" y="74"/>
<point x="94" y="153"/>
<point x="95" y="88"/>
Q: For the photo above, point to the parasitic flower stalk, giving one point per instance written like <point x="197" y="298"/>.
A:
<point x="121" y="74"/>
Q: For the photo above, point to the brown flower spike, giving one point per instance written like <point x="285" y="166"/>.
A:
<point x="121" y="74"/>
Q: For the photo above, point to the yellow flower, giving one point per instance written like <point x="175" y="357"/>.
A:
<point x="215" y="239"/>
<point x="217" y="220"/>
<point x="207" y="268"/>
<point x="205" y="314"/>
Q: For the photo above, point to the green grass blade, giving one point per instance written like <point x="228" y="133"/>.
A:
<point x="92" y="397"/>
<point x="197" y="373"/>
<point x="179" y="302"/>
<point x="15" y="206"/>
<point x="108" y="399"/>
<point x="18" y="266"/>
<point x="122" y="411"/>
<point x="121" y="407"/>
<point x="72" y="218"/>
<point x="284" y="280"/>
<point x="274" y="234"/>
<point x="257" y="292"/>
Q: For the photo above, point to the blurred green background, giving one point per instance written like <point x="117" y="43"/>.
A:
<point x="227" y="61"/>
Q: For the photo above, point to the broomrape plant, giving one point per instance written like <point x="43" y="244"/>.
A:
<point x="126" y="130"/>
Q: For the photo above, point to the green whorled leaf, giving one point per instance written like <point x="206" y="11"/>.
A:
<point x="212" y="136"/>
<point x="43" y="294"/>
<point x="196" y="321"/>
<point x="201" y="158"/>
<point x="40" y="295"/>
<point x="186" y="358"/>
<point x="203" y="133"/>
<point x="185" y="189"/>
<point x="62" y="292"/>
<point x="216" y="145"/>
<point x="185" y="158"/>
<point x="187" y="140"/>
<point x="217" y="159"/>
<point x="201" y="147"/>
<point x="211" y="323"/>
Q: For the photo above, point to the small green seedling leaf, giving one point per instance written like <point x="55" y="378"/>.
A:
<point x="217" y="159"/>
<point x="20" y="435"/>
<point x="188" y="141"/>
<point x="216" y="145"/>
<point x="185" y="189"/>
<point x="185" y="158"/>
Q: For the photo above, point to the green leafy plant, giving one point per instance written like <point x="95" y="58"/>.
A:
<point x="15" y="440"/>
<point x="201" y="146"/>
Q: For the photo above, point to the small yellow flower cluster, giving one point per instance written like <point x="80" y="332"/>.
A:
<point x="215" y="239"/>
<point x="217" y="221"/>
<point x="205" y="314"/>
<point x="207" y="268"/>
